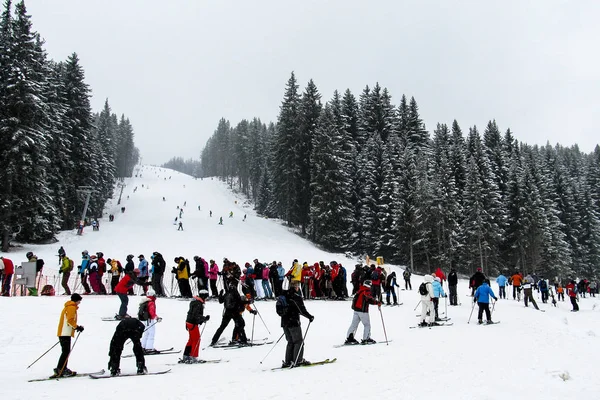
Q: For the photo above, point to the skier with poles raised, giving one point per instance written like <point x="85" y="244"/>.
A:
<point x="67" y="325"/>
<point x="360" y="305"/>
<point x="195" y="317"/>
<point x="290" y="322"/>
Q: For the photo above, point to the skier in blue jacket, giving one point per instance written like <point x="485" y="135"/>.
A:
<point x="438" y="292"/>
<point x="501" y="280"/>
<point x="482" y="297"/>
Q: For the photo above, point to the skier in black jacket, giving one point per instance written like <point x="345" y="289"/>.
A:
<point x="128" y="328"/>
<point x="195" y="317"/>
<point x="158" y="266"/>
<point x="290" y="322"/>
<point x="233" y="307"/>
<point x="452" y="282"/>
<point x="476" y="280"/>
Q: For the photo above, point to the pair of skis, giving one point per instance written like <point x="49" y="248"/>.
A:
<point x="314" y="364"/>
<point x="96" y="375"/>
<point x="337" y="346"/>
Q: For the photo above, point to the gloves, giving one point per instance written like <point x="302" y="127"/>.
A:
<point x="206" y="318"/>
<point x="445" y="295"/>
<point x="253" y="312"/>
<point x="79" y="328"/>
<point x="221" y="292"/>
<point x="311" y="318"/>
<point x="158" y="319"/>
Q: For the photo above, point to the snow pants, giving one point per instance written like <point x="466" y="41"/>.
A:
<point x="149" y="332"/>
<point x="65" y="345"/>
<point x="574" y="303"/>
<point x="65" y="282"/>
<point x="192" y="346"/>
<point x="95" y="282"/>
<point x="239" y="326"/>
<point x="453" y="295"/>
<point x="366" y="321"/>
<point x="129" y="328"/>
<point x="529" y="297"/>
<point x="213" y="287"/>
<point x="258" y="287"/>
<point x="124" y="302"/>
<point x="294" y="349"/>
<point x="427" y="307"/>
<point x="484" y="307"/>
<point x="502" y="292"/>
<point x="84" y="283"/>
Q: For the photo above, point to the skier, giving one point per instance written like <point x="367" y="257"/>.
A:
<point x="200" y="272"/>
<point x="220" y="220"/>
<point x="502" y="281"/>
<point x="476" y="280"/>
<point x="213" y="274"/>
<point x="84" y="270"/>
<point x="543" y="287"/>
<point x="195" y="317"/>
<point x="438" y="291"/>
<point x="144" y="273"/>
<point x="129" y="328"/>
<point x="147" y="315"/>
<point x="528" y="283"/>
<point x="406" y="275"/>
<point x="210" y="213"/>
<point x="244" y="218"/>
<point x="182" y="271"/>
<point x="452" y="283"/>
<point x="123" y="288"/>
<point x="7" y="273"/>
<point x="67" y="325"/>
<point x="66" y="266"/>
<point x="560" y="291"/>
<point x="482" y="297"/>
<point x="426" y="292"/>
<point x="129" y="267"/>
<point x="258" y="277"/>
<point x="292" y="329"/>
<point x="230" y="214"/>
<point x="360" y="305"/>
<point x="233" y="306"/>
<point x="572" y="293"/>
<point x="390" y="284"/>
<point x="101" y="271"/>
<point x="93" y="268"/>
<point x="158" y="271"/>
<point x="61" y="254"/>
<point x="115" y="270"/>
<point x="517" y="280"/>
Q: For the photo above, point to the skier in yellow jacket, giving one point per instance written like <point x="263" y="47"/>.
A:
<point x="67" y="325"/>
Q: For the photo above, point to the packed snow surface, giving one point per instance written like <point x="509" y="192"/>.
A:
<point x="529" y="355"/>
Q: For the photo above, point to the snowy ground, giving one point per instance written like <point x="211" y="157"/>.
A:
<point x="523" y="357"/>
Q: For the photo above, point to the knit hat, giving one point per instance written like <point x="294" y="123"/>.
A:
<point x="76" y="297"/>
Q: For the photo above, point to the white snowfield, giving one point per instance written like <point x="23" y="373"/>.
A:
<point x="530" y="355"/>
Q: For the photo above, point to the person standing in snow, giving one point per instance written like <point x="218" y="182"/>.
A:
<point x="528" y="283"/>
<point x="195" y="317"/>
<point x="482" y="297"/>
<point x="67" y="325"/>
<point x="148" y="317"/>
<point x="476" y="280"/>
<point x="502" y="281"/>
<point x="115" y="269"/>
<point x="233" y="307"/>
<point x="292" y="329"/>
<point x="438" y="291"/>
<point x="132" y="329"/>
<point x="572" y="293"/>
<point x="406" y="275"/>
<point x="182" y="271"/>
<point x="84" y="271"/>
<point x="390" y="285"/>
<point x="426" y="292"/>
<point x="452" y="283"/>
<point x="258" y="277"/>
<point x="8" y="270"/>
<point x="360" y="305"/>
<point x="66" y="266"/>
<point x="144" y="272"/>
<point x="158" y="271"/>
<point x="213" y="274"/>
<point x="93" y="268"/>
<point x="543" y="287"/>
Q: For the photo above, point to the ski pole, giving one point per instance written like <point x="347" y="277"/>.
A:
<point x="417" y="305"/>
<point x="383" y="323"/>
<point x="493" y="307"/>
<point x="47" y="351"/>
<point x="302" y="344"/>
<point x="446" y="305"/>
<point x="261" y="318"/>
<point x="472" y="308"/>
<point x="252" y="337"/>
<point x="272" y="348"/>
<point x="148" y="327"/>
<point x="69" y="355"/>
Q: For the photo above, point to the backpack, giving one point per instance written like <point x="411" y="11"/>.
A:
<point x="375" y="275"/>
<point x="423" y="289"/>
<point x="143" y="313"/>
<point x="48" y="290"/>
<point x="406" y="274"/>
<point x="71" y="264"/>
<point x="543" y="285"/>
<point x="281" y="305"/>
<point x="229" y="300"/>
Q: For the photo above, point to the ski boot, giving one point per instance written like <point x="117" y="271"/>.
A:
<point x="141" y="369"/>
<point x="368" y="341"/>
<point x="351" y="340"/>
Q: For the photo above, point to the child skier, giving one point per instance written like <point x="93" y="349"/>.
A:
<point x="195" y="317"/>
<point x="147" y="314"/>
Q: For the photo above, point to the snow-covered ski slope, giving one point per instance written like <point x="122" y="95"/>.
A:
<point x="524" y="357"/>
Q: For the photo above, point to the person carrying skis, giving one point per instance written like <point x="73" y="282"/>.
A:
<point x="233" y="306"/>
<point x="147" y="315"/>
<point x="67" y="325"/>
<point x="195" y="317"/>
<point x="426" y="292"/>
<point x="452" y="283"/>
<point x="502" y="281"/>
<point x="482" y="298"/>
<point x="360" y="305"/>
<point x="390" y="284"/>
<point x="528" y="283"/>
<point x="438" y="291"/>
<point x="115" y="270"/>
<point x="292" y="329"/>
<point x="123" y="288"/>
<point x="132" y="329"/>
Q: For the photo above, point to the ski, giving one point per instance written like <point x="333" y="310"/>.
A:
<point x="393" y="305"/>
<point x="256" y="342"/>
<point x="337" y="346"/>
<point x="108" y="319"/>
<point x="433" y="326"/>
<point x="490" y="323"/>
<point x="238" y="346"/>
<point x="220" y="341"/>
<point x="180" y="362"/>
<point x="57" y="378"/>
<point x="102" y="376"/>
<point x="314" y="364"/>
<point x="157" y="353"/>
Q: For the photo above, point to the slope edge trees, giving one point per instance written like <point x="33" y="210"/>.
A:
<point x="376" y="183"/>
<point x="51" y="142"/>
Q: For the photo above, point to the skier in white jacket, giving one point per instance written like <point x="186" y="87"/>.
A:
<point x="427" y="312"/>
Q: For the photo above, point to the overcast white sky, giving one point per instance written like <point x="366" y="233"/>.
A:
<point x="176" y="67"/>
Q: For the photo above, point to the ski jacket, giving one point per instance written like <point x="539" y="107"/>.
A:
<point x="438" y="291"/>
<point x="477" y="279"/>
<point x="68" y="319"/>
<point x="483" y="293"/>
<point x="571" y="290"/>
<point x="362" y="299"/>
<point x="440" y="274"/>
<point x="213" y="273"/>
<point x="295" y="309"/>
<point x="200" y="271"/>
<point x="528" y="282"/>
<point x="83" y="268"/>
<point x="390" y="281"/>
<point x="151" y="300"/>
<point x="428" y="284"/>
<point x="295" y="272"/>
<point x="182" y="270"/>
<point x="452" y="278"/>
<point x="129" y="266"/>
<point x="126" y="283"/>
<point x="66" y="265"/>
<point x="376" y="276"/>
<point x="258" y="270"/>
<point x="543" y="285"/>
<point x="501" y="280"/>
<point x="101" y="265"/>
<point x="115" y="267"/>
<point x="280" y="272"/>
<point x="143" y="267"/>
<point x="406" y="274"/>
<point x="158" y="265"/>
<point x="265" y="274"/>
<point x="517" y="279"/>
<point x="93" y="266"/>
<point x="195" y="313"/>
